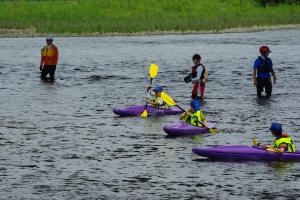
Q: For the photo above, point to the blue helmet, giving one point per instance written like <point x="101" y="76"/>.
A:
<point x="158" y="89"/>
<point x="276" y="128"/>
<point x="195" y="105"/>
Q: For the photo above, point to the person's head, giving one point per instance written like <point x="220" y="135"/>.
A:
<point x="276" y="129"/>
<point x="49" y="39"/>
<point x="158" y="91"/>
<point x="264" y="50"/>
<point x="195" y="105"/>
<point x="196" y="59"/>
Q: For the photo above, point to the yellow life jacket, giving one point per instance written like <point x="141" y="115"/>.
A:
<point x="191" y="118"/>
<point x="156" y="99"/>
<point x="47" y="51"/>
<point x="285" y="138"/>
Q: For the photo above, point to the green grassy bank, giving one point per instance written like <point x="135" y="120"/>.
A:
<point x="134" y="16"/>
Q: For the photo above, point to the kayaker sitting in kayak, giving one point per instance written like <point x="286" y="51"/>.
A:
<point x="157" y="101"/>
<point x="282" y="142"/>
<point x="194" y="116"/>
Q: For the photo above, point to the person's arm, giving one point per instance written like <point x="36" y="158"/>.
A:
<point x="278" y="150"/>
<point x="42" y="60"/>
<point x="151" y="102"/>
<point x="274" y="77"/>
<point x="205" y="124"/>
<point x="255" y="66"/>
<point x="203" y="119"/>
<point x="282" y="147"/>
<point x="186" y="113"/>
<point x="254" y="76"/>
<point x="199" y="72"/>
<point x="159" y="102"/>
<point x="55" y="55"/>
<point x="42" y="63"/>
<point x="149" y="90"/>
<point x="272" y="70"/>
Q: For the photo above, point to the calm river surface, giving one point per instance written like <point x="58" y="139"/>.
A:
<point x="62" y="140"/>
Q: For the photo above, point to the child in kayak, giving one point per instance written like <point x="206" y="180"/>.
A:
<point x="282" y="142"/>
<point x="194" y="116"/>
<point x="157" y="101"/>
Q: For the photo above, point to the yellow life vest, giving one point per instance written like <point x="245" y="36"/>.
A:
<point x="47" y="51"/>
<point x="156" y="99"/>
<point x="286" y="140"/>
<point x="191" y="118"/>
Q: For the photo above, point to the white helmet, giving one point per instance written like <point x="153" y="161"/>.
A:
<point x="49" y="37"/>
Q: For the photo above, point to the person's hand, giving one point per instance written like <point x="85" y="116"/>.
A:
<point x="255" y="82"/>
<point x="147" y="100"/>
<point x="41" y="68"/>
<point x="187" y="79"/>
<point x="186" y="113"/>
<point x="149" y="87"/>
<point x="265" y="146"/>
<point x="274" y="80"/>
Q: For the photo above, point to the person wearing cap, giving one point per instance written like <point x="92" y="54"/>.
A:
<point x="197" y="77"/>
<point x="157" y="100"/>
<point x="282" y="142"/>
<point x="262" y="68"/>
<point x="194" y="116"/>
<point x="49" y="59"/>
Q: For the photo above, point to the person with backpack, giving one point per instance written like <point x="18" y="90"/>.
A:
<point x="198" y="77"/>
<point x="262" y="68"/>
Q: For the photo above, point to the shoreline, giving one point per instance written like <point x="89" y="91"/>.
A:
<point x="17" y="33"/>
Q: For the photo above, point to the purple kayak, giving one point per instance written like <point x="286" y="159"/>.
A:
<point x="185" y="129"/>
<point x="138" y="110"/>
<point x="244" y="152"/>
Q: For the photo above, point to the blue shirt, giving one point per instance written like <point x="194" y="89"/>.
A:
<point x="258" y="62"/>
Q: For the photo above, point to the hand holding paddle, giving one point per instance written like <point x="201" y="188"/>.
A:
<point x="255" y="143"/>
<point x="153" y="72"/>
<point x="171" y="102"/>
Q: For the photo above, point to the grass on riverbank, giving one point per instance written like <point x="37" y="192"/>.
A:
<point x="131" y="16"/>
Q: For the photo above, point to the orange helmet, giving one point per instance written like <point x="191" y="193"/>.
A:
<point x="264" y="49"/>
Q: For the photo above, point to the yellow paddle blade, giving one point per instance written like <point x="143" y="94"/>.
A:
<point x="153" y="70"/>
<point x="213" y="130"/>
<point x="166" y="98"/>
<point x="144" y="114"/>
<point x="255" y="143"/>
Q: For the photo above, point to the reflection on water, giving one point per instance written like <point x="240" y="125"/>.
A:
<point x="62" y="140"/>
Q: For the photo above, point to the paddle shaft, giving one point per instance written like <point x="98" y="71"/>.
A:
<point x="148" y="94"/>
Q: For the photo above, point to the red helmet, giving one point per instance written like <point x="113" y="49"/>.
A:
<point x="264" y="49"/>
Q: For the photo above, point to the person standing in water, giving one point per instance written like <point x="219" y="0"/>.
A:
<point x="198" y="77"/>
<point x="262" y="68"/>
<point x="49" y="59"/>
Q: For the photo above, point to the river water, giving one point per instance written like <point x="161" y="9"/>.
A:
<point x="62" y="140"/>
